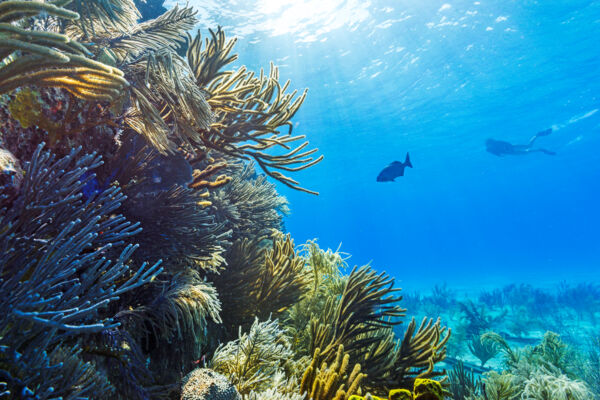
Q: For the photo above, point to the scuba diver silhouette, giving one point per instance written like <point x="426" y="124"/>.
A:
<point x="501" y="148"/>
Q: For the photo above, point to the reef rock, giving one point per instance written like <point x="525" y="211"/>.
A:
<point x="11" y="176"/>
<point x="206" y="384"/>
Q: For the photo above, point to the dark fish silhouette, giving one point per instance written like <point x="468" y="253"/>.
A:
<point x="394" y="170"/>
<point x="501" y="148"/>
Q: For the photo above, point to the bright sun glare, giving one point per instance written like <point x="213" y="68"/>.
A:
<point x="310" y="18"/>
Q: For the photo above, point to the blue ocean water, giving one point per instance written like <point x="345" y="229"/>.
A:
<point x="436" y="79"/>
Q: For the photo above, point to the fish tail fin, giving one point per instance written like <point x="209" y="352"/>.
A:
<point x="407" y="162"/>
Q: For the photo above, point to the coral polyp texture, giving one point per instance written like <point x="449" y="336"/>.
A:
<point x="142" y="251"/>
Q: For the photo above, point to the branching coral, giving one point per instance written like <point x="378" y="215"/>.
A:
<point x="116" y="353"/>
<point x="165" y="101"/>
<point x="172" y="324"/>
<point x="259" y="281"/>
<point x="367" y="303"/>
<point x="589" y="367"/>
<point x="248" y="203"/>
<point x="359" y="311"/>
<point x="103" y="15"/>
<point x="45" y="58"/>
<point x="185" y="230"/>
<point x="326" y="280"/>
<point x="249" y="111"/>
<point x="361" y="319"/>
<point x="178" y="228"/>
<point x="551" y="352"/>
<point x="463" y="383"/>
<point x="252" y="360"/>
<point x="167" y="31"/>
<point x="419" y="351"/>
<point x="55" y="279"/>
<point x="511" y="357"/>
<point x="483" y="350"/>
<point x="478" y="319"/>
<point x="540" y="372"/>
<point x="336" y="381"/>
<point x="170" y="101"/>
<point x="57" y="373"/>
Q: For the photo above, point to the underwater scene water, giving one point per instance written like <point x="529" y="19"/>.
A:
<point x="299" y="199"/>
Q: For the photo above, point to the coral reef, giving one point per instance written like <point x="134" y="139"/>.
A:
<point x="57" y="282"/>
<point x="142" y="237"/>
<point x="519" y="324"/>
<point x="260" y="280"/>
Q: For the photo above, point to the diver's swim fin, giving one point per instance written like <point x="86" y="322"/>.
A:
<point x="407" y="162"/>
<point x="544" y="133"/>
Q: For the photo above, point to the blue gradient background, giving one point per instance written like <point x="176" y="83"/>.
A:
<point x="437" y="79"/>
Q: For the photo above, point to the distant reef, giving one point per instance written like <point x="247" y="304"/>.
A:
<point x="142" y="251"/>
